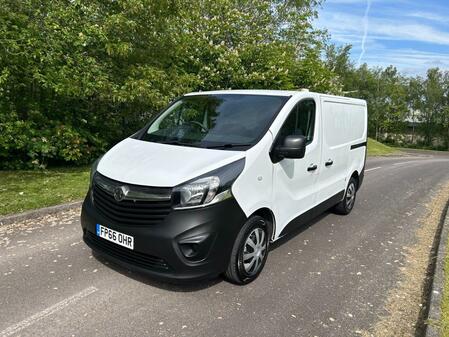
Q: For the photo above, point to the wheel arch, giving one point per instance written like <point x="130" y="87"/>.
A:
<point x="268" y="215"/>
<point x="356" y="176"/>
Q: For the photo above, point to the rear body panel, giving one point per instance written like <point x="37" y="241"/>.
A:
<point x="344" y="125"/>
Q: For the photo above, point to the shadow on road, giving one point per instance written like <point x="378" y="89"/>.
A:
<point x="289" y="236"/>
<point x="192" y="286"/>
<point x="184" y="286"/>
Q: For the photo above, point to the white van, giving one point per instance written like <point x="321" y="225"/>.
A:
<point x="210" y="182"/>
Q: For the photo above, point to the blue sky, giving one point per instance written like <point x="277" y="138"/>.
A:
<point x="411" y="35"/>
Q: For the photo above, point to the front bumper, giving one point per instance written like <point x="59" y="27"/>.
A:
<point x="188" y="244"/>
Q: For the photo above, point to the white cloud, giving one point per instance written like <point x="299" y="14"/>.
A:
<point x="352" y="2"/>
<point x="409" y="61"/>
<point x="429" y="16"/>
<point x="383" y="28"/>
<point x="413" y="25"/>
<point x="344" y="1"/>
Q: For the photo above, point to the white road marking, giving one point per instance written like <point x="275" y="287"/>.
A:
<point x="407" y="162"/>
<point x="426" y="161"/>
<point x="374" y="168"/>
<point x="13" y="329"/>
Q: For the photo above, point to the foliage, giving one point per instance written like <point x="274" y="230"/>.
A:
<point x="432" y="101"/>
<point x="77" y="76"/>
<point x="395" y="101"/>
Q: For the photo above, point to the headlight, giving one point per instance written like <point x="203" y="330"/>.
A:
<point x="209" y="188"/>
<point x="93" y="169"/>
<point x="198" y="192"/>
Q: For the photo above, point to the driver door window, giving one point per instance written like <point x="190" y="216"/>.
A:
<point x="300" y="122"/>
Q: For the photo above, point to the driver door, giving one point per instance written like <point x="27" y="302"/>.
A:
<point x="294" y="180"/>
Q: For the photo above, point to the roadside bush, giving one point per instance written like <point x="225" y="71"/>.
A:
<point x="25" y="144"/>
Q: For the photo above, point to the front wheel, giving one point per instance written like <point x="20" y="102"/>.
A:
<point x="250" y="252"/>
<point x="347" y="204"/>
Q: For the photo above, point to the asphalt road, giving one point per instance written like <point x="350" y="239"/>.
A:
<point x="330" y="279"/>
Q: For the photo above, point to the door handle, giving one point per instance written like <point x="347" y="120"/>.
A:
<point x="329" y="162"/>
<point x="312" y="167"/>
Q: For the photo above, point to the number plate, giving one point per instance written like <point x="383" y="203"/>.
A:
<point x="116" y="237"/>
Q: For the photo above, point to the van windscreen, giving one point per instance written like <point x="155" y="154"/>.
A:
<point x="216" y="121"/>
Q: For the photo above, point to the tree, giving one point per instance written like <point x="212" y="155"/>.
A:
<point x="445" y="110"/>
<point x="432" y="105"/>
<point x="338" y="61"/>
<point x="76" y="76"/>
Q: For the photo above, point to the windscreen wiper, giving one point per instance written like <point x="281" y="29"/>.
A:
<point x="175" y="142"/>
<point x="228" y="146"/>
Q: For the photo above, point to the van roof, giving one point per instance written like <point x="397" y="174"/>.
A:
<point x="246" y="91"/>
<point x="268" y="92"/>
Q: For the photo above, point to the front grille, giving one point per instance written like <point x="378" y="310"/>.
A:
<point x="128" y="211"/>
<point x="125" y="254"/>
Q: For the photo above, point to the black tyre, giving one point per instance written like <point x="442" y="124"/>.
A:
<point x="250" y="251"/>
<point x="347" y="204"/>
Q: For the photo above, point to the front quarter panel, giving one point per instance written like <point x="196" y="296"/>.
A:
<point x="253" y="188"/>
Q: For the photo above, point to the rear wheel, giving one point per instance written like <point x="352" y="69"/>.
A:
<point x="250" y="252"/>
<point x="347" y="204"/>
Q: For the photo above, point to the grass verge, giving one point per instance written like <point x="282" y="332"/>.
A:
<point x="404" y="303"/>
<point x="444" y="324"/>
<point x="25" y="190"/>
<point x="378" y="149"/>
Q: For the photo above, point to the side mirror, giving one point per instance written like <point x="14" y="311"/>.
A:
<point x="292" y="147"/>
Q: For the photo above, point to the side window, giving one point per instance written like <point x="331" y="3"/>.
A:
<point x="301" y="121"/>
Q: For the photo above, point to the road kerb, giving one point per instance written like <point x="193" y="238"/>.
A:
<point x="9" y="219"/>
<point x="436" y="293"/>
